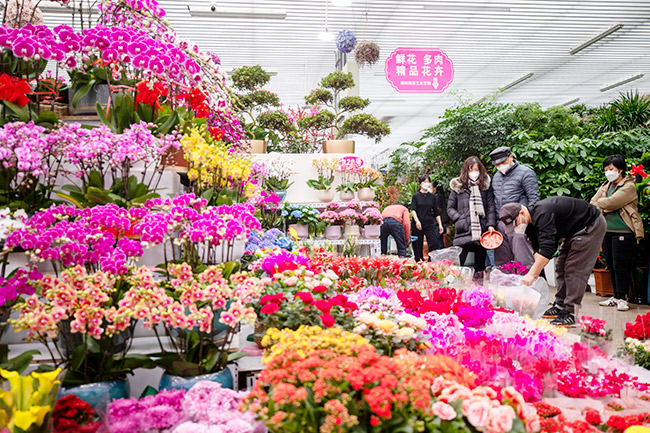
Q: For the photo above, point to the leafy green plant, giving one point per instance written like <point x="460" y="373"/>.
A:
<point x="252" y="99"/>
<point x="277" y="122"/>
<point x="348" y="187"/>
<point x="120" y="193"/>
<point x="321" y="184"/>
<point x="335" y="119"/>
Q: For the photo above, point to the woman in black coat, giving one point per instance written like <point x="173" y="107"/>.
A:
<point x="471" y="208"/>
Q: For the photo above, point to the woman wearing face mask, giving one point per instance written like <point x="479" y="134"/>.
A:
<point x="426" y="208"/>
<point x="617" y="200"/>
<point x="471" y="208"/>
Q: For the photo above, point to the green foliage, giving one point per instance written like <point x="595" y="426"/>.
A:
<point x="628" y="111"/>
<point x="557" y="121"/>
<point x="365" y="124"/>
<point x="353" y="103"/>
<point x="93" y="193"/>
<point x="249" y="78"/>
<point x="338" y="81"/>
<point x="321" y="120"/>
<point x="260" y="99"/>
<point x="319" y="96"/>
<point x="277" y="121"/>
<point x="321" y="184"/>
<point x="24" y="193"/>
<point x="348" y="187"/>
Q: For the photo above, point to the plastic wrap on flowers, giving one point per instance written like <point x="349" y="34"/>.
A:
<point x="513" y="294"/>
<point x="451" y="254"/>
<point x="346" y="41"/>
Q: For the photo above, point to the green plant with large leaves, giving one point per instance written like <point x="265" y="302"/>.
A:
<point x="338" y="118"/>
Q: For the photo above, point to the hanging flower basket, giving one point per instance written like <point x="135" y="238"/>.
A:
<point x="366" y="53"/>
<point x="346" y="41"/>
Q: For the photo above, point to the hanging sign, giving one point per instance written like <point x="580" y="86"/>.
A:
<point x="419" y="70"/>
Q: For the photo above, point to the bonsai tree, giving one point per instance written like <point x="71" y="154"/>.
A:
<point x="249" y="80"/>
<point x="278" y="123"/>
<point x="339" y="118"/>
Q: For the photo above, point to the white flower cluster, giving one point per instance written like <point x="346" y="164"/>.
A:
<point x="11" y="221"/>
<point x="279" y="168"/>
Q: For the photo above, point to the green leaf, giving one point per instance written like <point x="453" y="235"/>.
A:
<point x="235" y="356"/>
<point x="22" y="112"/>
<point x="230" y="268"/>
<point x="78" y="356"/>
<point x="97" y="196"/>
<point x="69" y="198"/>
<point x="81" y="92"/>
<point x="95" y="179"/>
<point x="20" y="362"/>
<point x="47" y="118"/>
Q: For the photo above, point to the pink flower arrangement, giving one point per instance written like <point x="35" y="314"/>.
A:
<point x="516" y="268"/>
<point x="352" y="217"/>
<point x="594" y="327"/>
<point x="330" y="218"/>
<point x="373" y="216"/>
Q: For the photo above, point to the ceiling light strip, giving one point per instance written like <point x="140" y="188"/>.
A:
<point x="596" y="38"/>
<point x="517" y="81"/>
<point x="621" y="82"/>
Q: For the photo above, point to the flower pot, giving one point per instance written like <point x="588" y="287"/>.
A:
<point x="338" y="146"/>
<point x="88" y="103"/>
<point x="258" y="146"/>
<point x="333" y="232"/>
<point x="603" y="282"/>
<point x="372" y="232"/>
<point x="224" y="377"/>
<point x="351" y="230"/>
<point x="325" y="195"/>
<point x="346" y="195"/>
<point x="282" y="194"/>
<point x="302" y="230"/>
<point x="99" y="394"/>
<point x="366" y="194"/>
<point x="61" y="110"/>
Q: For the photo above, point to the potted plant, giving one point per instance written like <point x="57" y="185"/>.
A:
<point x="602" y="276"/>
<point x="200" y="315"/>
<point x="325" y="167"/>
<point x="301" y="218"/>
<point x="334" y="119"/>
<point x="371" y="227"/>
<point x="279" y="171"/>
<point x="353" y="218"/>
<point x="249" y="80"/>
<point x="277" y="123"/>
<point x="349" y="168"/>
<point x="333" y="224"/>
<point x="368" y="182"/>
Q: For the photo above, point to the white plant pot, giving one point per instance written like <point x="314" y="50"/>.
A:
<point x="366" y="194"/>
<point x="325" y="195"/>
<point x="302" y="230"/>
<point x="346" y="195"/>
<point x="371" y="232"/>
<point x="351" y="230"/>
<point x="333" y="232"/>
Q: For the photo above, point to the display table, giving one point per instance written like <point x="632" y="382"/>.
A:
<point x="373" y="245"/>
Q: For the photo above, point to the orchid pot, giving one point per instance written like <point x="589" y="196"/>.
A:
<point x="352" y="230"/>
<point x="302" y="230"/>
<point x="87" y="104"/>
<point x="338" y="146"/>
<point x="333" y="232"/>
<point x="282" y="194"/>
<point x="99" y="394"/>
<point x="366" y="194"/>
<point x="372" y="231"/>
<point x="346" y="195"/>
<point x="223" y="377"/>
<point x="325" y="195"/>
<point x="258" y="146"/>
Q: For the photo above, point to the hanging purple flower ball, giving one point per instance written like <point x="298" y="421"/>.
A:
<point x="346" y="41"/>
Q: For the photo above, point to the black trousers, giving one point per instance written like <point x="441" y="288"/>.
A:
<point x="392" y="227"/>
<point x="479" y="256"/>
<point x="432" y="232"/>
<point x="619" y="249"/>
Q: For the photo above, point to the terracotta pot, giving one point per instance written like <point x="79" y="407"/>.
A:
<point x="325" y="195"/>
<point x="346" y="195"/>
<point x="366" y="194"/>
<point x="351" y="230"/>
<point x="372" y="232"/>
<point x="258" y="146"/>
<point x="338" y="146"/>
<point x="603" y="282"/>
<point x="333" y="232"/>
<point x="302" y="230"/>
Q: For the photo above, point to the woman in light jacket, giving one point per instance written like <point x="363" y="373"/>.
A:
<point x="471" y="208"/>
<point x="617" y="200"/>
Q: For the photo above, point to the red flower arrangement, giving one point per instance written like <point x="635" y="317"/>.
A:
<point x="640" y="329"/>
<point x="73" y="415"/>
<point x="14" y="90"/>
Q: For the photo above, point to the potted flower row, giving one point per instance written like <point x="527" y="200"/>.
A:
<point x="351" y="216"/>
<point x="354" y="178"/>
<point x="302" y="219"/>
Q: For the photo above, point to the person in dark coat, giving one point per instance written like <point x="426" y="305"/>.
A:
<point x="425" y="210"/>
<point x="471" y="209"/>
<point x="513" y="182"/>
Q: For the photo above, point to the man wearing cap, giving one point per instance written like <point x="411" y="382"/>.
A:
<point x="513" y="182"/>
<point x="580" y="227"/>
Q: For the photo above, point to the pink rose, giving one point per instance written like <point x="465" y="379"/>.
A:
<point x="477" y="412"/>
<point x="484" y="391"/>
<point x="501" y="419"/>
<point x="291" y="281"/>
<point x="443" y="411"/>
<point x="437" y="385"/>
<point x="510" y="393"/>
<point x="455" y="392"/>
<point x="532" y="422"/>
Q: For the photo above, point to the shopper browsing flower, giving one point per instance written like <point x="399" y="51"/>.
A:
<point x="617" y="200"/>
<point x="395" y="224"/>
<point x="472" y="210"/>
<point x="425" y="210"/>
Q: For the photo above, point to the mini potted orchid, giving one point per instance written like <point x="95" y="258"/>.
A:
<point x="325" y="168"/>
<point x="333" y="223"/>
<point x="279" y="170"/>
<point x="335" y="121"/>
<point x="373" y="223"/>
<point x="368" y="183"/>
<point x="349" y="168"/>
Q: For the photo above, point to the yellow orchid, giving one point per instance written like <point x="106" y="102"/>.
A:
<point x="24" y="419"/>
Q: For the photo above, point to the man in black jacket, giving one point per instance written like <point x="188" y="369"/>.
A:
<point x="580" y="227"/>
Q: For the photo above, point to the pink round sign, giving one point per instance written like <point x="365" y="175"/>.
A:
<point x="419" y="70"/>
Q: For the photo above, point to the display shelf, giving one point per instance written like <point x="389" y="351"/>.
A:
<point x="321" y="205"/>
<point x="374" y="245"/>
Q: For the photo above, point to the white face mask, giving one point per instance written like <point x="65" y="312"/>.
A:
<point x="473" y="175"/>
<point x="427" y="186"/>
<point x="521" y="228"/>
<point x="503" y="168"/>
<point x="611" y="175"/>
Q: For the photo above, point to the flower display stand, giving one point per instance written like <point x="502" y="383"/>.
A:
<point x="603" y="282"/>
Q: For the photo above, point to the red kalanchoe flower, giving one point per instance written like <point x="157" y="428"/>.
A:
<point x="14" y="90"/>
<point x="327" y="319"/>
<point x="320" y="289"/>
<point x="593" y="417"/>
<point x="638" y="169"/>
<point x="305" y="297"/>
<point x="270" y="308"/>
<point x="150" y="94"/>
